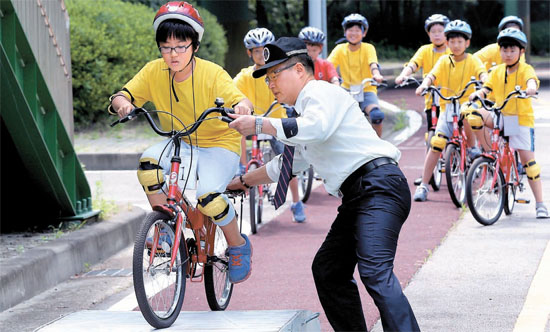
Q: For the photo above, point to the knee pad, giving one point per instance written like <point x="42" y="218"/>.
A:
<point x="438" y="142"/>
<point x="376" y="116"/>
<point x="532" y="169"/>
<point x="475" y="120"/>
<point x="217" y="207"/>
<point x="150" y="175"/>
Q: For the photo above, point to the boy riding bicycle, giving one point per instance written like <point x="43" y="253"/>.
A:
<point x="490" y="54"/>
<point x="452" y="73"/>
<point x="426" y="57"/>
<point x="357" y="61"/>
<point x="184" y="85"/>
<point x="324" y="70"/>
<point x="258" y="92"/>
<point x="520" y="120"/>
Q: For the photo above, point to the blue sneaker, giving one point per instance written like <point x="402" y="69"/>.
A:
<point x="474" y="152"/>
<point x="240" y="261"/>
<point x="165" y="242"/>
<point x="298" y="212"/>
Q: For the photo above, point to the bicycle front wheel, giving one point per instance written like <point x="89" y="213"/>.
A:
<point x="255" y="204"/>
<point x="485" y="191"/>
<point x="159" y="289"/>
<point x="456" y="178"/>
<point x="511" y="187"/>
<point x="305" y="182"/>
<point x="216" y="279"/>
<point x="435" y="180"/>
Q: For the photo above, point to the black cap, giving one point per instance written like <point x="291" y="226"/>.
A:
<point x="279" y="51"/>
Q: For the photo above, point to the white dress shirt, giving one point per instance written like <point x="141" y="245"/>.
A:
<point x="333" y="135"/>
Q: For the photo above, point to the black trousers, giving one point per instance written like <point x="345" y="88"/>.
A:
<point x="365" y="234"/>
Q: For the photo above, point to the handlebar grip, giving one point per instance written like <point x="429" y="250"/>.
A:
<point x="127" y="118"/>
<point x="226" y="119"/>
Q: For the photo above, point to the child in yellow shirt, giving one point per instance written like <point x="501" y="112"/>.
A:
<point x="452" y="73"/>
<point x="356" y="61"/>
<point x="490" y="54"/>
<point x="181" y="84"/>
<point x="502" y="80"/>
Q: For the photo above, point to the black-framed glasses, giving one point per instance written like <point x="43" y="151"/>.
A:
<point x="178" y="49"/>
<point x="272" y="77"/>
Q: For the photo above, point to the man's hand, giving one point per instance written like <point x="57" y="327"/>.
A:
<point x="243" y="107"/>
<point x="236" y="184"/>
<point x="244" y="124"/>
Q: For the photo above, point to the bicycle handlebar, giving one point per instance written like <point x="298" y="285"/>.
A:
<point x="436" y="90"/>
<point x="373" y="82"/>
<point x="218" y="109"/>
<point x="521" y="94"/>
<point x="408" y="80"/>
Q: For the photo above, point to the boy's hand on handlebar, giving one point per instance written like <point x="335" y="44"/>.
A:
<point x="420" y="90"/>
<point x="378" y="78"/>
<point x="125" y="110"/>
<point x="400" y="79"/>
<point x="475" y="95"/>
<point x="530" y="91"/>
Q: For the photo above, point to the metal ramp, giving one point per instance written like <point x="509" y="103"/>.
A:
<point x="32" y="121"/>
<point x="188" y="321"/>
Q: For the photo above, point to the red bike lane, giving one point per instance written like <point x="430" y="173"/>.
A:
<point x="283" y="251"/>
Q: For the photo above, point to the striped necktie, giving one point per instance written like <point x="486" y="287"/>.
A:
<point x="286" y="168"/>
<point x="284" y="176"/>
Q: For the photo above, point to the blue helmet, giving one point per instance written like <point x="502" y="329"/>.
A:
<point x="435" y="19"/>
<point x="514" y="35"/>
<point x="355" y="18"/>
<point x="459" y="27"/>
<point x="312" y="35"/>
<point x="258" y="37"/>
<point x="510" y="19"/>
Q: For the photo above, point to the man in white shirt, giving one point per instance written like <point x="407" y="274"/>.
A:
<point x="332" y="134"/>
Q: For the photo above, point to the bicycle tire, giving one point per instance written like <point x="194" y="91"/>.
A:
<point x="159" y="292"/>
<point x="455" y="177"/>
<point x="511" y="188"/>
<point x="486" y="204"/>
<point x="305" y="183"/>
<point x="255" y="205"/>
<point x="216" y="279"/>
<point x="435" y="180"/>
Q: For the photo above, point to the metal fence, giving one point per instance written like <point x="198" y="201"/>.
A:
<point x="46" y="25"/>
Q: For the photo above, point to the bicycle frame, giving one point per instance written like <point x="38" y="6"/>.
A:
<point x="178" y="206"/>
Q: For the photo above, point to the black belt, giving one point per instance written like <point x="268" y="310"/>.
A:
<point x="365" y="168"/>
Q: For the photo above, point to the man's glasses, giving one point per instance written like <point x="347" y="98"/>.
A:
<point x="272" y="77"/>
<point x="178" y="49"/>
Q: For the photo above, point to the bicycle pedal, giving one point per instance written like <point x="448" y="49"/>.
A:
<point x="522" y="201"/>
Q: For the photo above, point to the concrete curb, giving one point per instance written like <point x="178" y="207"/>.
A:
<point x="45" y="266"/>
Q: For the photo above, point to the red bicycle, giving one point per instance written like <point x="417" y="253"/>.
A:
<point x="432" y="116"/>
<point x="177" y="242"/>
<point x="456" y="162"/>
<point x="493" y="179"/>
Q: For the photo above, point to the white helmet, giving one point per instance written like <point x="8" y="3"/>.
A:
<point x="258" y="37"/>
<point x="312" y="35"/>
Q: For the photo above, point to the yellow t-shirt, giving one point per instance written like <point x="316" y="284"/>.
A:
<point x="490" y="56"/>
<point x="209" y="81"/>
<point x="501" y="86"/>
<point x="452" y="76"/>
<point x="426" y="57"/>
<point x="354" y="66"/>
<point x="258" y="93"/>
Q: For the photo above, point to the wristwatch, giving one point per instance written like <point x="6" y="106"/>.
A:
<point x="259" y="123"/>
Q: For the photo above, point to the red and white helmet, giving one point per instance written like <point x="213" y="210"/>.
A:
<point x="180" y="10"/>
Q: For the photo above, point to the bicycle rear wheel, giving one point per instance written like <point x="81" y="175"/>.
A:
<point x="216" y="280"/>
<point x="159" y="289"/>
<point x="456" y="178"/>
<point x="305" y="182"/>
<point x="485" y="200"/>
<point x="255" y="201"/>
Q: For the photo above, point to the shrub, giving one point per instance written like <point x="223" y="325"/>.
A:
<point x="111" y="41"/>
<point x="540" y="38"/>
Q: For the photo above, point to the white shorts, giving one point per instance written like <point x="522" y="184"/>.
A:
<point x="523" y="140"/>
